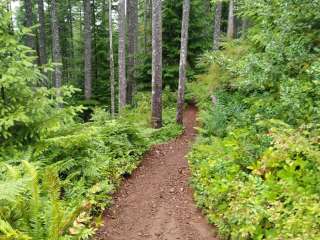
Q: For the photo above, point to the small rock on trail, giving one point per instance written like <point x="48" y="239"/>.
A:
<point x="157" y="204"/>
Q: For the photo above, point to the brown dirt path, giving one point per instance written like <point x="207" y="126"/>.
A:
<point x="156" y="202"/>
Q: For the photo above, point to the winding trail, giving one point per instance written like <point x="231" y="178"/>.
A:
<point x="156" y="202"/>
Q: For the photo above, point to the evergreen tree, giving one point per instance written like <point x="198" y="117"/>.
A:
<point x="87" y="50"/>
<point x="217" y="25"/>
<point x="156" y="112"/>
<point x="56" y="49"/>
<point x="122" y="54"/>
<point x="132" y="12"/>
<point x="42" y="34"/>
<point x="183" y="60"/>
<point x="231" y="32"/>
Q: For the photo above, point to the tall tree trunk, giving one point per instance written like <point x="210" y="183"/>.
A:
<point x="71" y="45"/>
<point x="145" y="25"/>
<point x="95" y="61"/>
<point x="231" y="21"/>
<point x="111" y="61"/>
<point x="56" y="49"/>
<point x="87" y="50"/>
<point x="147" y="20"/>
<point x="183" y="60"/>
<point x="156" y="116"/>
<point x="132" y="11"/>
<point x="30" y="40"/>
<point x="122" y="54"/>
<point x="217" y="26"/>
<point x="42" y="34"/>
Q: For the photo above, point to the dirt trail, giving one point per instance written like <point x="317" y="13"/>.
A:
<point x="156" y="202"/>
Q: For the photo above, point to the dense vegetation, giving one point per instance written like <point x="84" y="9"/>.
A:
<point x="256" y="165"/>
<point x="56" y="171"/>
<point x="65" y="144"/>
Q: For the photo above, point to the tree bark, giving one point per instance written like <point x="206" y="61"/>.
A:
<point x="30" y="39"/>
<point x="87" y="50"/>
<point x="71" y="45"/>
<point x="132" y="11"/>
<point x="56" y="49"/>
<point x="42" y="34"/>
<point x="217" y="26"/>
<point x="156" y="64"/>
<point x="111" y="61"/>
<point x="231" y="21"/>
<point x="147" y="20"/>
<point x="183" y="60"/>
<point x="122" y="54"/>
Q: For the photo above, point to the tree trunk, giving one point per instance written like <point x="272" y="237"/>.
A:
<point x="111" y="61"/>
<point x="30" y="40"/>
<point x="147" y="20"/>
<point x="122" y="54"/>
<point x="132" y="11"/>
<point x="56" y="49"/>
<point x="231" y="21"/>
<point x="145" y="25"/>
<point x="217" y="26"/>
<point x="183" y="60"/>
<point x="42" y="34"/>
<point x="156" y="64"/>
<point x="71" y="45"/>
<point x="87" y="50"/>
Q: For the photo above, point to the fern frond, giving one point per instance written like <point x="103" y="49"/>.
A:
<point x="11" y="189"/>
<point x="9" y="233"/>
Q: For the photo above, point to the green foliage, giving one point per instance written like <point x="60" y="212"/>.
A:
<point x="199" y="37"/>
<point x="57" y="174"/>
<point x="20" y="120"/>
<point x="256" y="163"/>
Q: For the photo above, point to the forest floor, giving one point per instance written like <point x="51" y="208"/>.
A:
<point x="156" y="202"/>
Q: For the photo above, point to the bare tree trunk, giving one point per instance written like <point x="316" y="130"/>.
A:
<point x="87" y="50"/>
<point x="132" y="11"/>
<point x="111" y="61"/>
<point x="30" y="40"/>
<point x="71" y="45"/>
<point x="122" y="54"/>
<point x="42" y="34"/>
<point x="231" y="21"/>
<point x="156" y="116"/>
<point x="217" y="26"/>
<point x="147" y="20"/>
<point x="145" y="24"/>
<point x="56" y="49"/>
<point x="183" y="60"/>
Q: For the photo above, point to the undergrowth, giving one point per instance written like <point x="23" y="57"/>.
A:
<point x="255" y="165"/>
<point x="59" y="186"/>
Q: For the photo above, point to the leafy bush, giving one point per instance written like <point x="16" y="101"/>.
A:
<point x="256" y="162"/>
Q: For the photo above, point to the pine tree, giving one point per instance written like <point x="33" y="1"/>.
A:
<point x="111" y="61"/>
<point x="132" y="11"/>
<point x="156" y="64"/>
<point x="122" y="54"/>
<point x="56" y="49"/>
<point x="231" y="21"/>
<point x="183" y="60"/>
<point x="42" y="34"/>
<point x="217" y="25"/>
<point x="87" y="50"/>
<point x="30" y="40"/>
